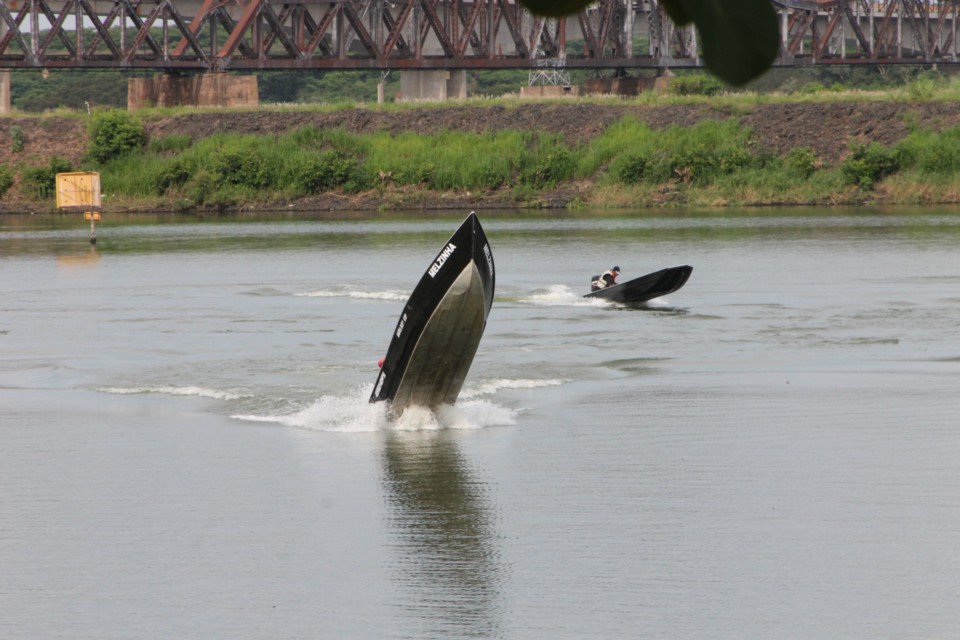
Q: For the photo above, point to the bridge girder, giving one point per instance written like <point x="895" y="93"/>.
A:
<point x="219" y="35"/>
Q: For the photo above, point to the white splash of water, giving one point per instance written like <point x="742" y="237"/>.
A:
<point x="560" y="295"/>
<point x="356" y="295"/>
<point x="355" y="414"/>
<point x="200" y="392"/>
<point x="492" y="386"/>
<point x="346" y="414"/>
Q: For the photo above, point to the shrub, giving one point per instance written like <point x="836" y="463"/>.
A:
<point x="867" y="164"/>
<point x="6" y="179"/>
<point x="630" y="169"/>
<point x="245" y="167"/>
<point x="803" y="161"/>
<point x="41" y="182"/>
<point x="310" y="137"/>
<point x="201" y="186"/>
<point x="699" y="164"/>
<point x="173" y="175"/>
<point x="930" y="152"/>
<point x="173" y="143"/>
<point x="624" y="137"/>
<point x="326" y="171"/>
<point x="550" y="164"/>
<point x="924" y="86"/>
<point x="415" y="174"/>
<point x="696" y="84"/>
<point x="16" y="138"/>
<point x="812" y="88"/>
<point x="114" y="133"/>
<point x="452" y="159"/>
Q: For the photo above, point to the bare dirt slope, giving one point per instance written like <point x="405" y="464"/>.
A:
<point x="827" y="128"/>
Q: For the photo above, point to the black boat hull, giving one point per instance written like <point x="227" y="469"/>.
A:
<point x="439" y="330"/>
<point x="653" y="285"/>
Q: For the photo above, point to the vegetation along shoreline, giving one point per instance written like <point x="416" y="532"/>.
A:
<point x="839" y="149"/>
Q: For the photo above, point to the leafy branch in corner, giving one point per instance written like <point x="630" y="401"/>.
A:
<point x="740" y="38"/>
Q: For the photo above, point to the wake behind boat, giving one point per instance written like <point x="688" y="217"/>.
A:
<point x="440" y="327"/>
<point x="653" y="285"/>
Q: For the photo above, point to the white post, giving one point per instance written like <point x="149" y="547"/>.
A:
<point x="900" y="30"/>
<point x="5" y="104"/>
<point x="627" y="32"/>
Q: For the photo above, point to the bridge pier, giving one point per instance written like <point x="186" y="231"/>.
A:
<point x="434" y="85"/>
<point x="204" y="90"/>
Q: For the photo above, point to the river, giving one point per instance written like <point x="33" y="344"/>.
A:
<point x="773" y="451"/>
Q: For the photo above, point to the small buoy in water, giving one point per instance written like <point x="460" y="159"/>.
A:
<point x="380" y="363"/>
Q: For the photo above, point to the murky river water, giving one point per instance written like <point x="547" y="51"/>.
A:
<point x="186" y="449"/>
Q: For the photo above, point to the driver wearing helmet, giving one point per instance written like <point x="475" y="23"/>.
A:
<point x="606" y="280"/>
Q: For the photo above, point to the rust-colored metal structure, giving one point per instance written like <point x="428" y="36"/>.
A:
<point x="220" y="35"/>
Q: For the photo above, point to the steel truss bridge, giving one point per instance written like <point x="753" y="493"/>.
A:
<point x="221" y="35"/>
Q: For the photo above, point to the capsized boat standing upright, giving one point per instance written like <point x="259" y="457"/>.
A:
<point x="439" y="330"/>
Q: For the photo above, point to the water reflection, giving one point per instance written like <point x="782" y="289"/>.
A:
<point x="443" y="536"/>
<point x="86" y="259"/>
<point x="655" y="309"/>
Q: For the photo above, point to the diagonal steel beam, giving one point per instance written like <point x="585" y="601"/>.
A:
<point x="319" y="30"/>
<point x="396" y="29"/>
<point x="439" y="30"/>
<point x="106" y="24"/>
<point x="103" y="33"/>
<point x="589" y="38"/>
<point x="13" y="32"/>
<point x="469" y="35"/>
<point x="245" y="21"/>
<point x="883" y="36"/>
<point x="199" y="20"/>
<point x="56" y="28"/>
<point x="143" y="34"/>
<point x="509" y="16"/>
<point x="278" y="32"/>
<point x="858" y="32"/>
<point x="361" y="31"/>
<point x="820" y="46"/>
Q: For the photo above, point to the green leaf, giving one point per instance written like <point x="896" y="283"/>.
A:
<point x="556" y="8"/>
<point x="740" y="38"/>
<point x="676" y="11"/>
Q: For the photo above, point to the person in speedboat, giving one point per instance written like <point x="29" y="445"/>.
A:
<point x="608" y="279"/>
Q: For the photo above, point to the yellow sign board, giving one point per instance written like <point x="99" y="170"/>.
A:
<point x="79" y="190"/>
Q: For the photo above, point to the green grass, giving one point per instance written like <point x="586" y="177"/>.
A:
<point x="711" y="163"/>
<point x="931" y="153"/>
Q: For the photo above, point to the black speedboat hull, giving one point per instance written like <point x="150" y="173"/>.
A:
<point x="439" y="330"/>
<point x="653" y="285"/>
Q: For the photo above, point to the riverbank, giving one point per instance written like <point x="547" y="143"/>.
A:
<point x="791" y="153"/>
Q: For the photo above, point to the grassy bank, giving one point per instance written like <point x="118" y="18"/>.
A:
<point x="713" y="162"/>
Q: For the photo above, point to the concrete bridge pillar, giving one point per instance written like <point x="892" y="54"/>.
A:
<point x="435" y="85"/>
<point x="204" y="90"/>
